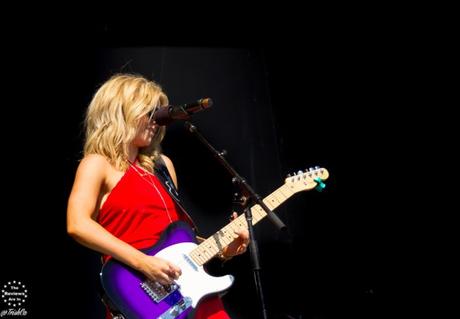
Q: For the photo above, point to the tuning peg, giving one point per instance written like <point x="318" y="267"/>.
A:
<point x="320" y="185"/>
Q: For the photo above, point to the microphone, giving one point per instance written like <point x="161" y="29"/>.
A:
<point x="166" y="115"/>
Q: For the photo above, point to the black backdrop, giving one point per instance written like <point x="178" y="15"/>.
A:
<point x="331" y="100"/>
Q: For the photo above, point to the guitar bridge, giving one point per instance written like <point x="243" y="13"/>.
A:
<point x="157" y="291"/>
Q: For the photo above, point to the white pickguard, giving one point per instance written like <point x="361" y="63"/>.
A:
<point x="194" y="281"/>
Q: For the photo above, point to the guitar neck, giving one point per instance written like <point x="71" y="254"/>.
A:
<point x="214" y="244"/>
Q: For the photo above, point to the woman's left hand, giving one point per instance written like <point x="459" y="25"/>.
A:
<point x="239" y="244"/>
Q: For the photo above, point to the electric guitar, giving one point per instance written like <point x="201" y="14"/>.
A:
<point x="136" y="297"/>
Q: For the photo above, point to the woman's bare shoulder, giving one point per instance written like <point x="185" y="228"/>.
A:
<point x="94" y="163"/>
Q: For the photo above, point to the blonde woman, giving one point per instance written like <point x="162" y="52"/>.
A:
<point x="124" y="204"/>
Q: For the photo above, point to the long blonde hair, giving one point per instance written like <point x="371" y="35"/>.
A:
<point x="113" y="117"/>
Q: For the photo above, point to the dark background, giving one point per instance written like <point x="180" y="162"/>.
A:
<point x="286" y="98"/>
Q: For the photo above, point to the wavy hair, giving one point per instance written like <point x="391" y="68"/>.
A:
<point x="113" y="117"/>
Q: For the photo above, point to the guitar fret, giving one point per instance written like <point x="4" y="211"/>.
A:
<point x="283" y="192"/>
<point x="235" y="227"/>
<point x="242" y="221"/>
<point x="228" y="231"/>
<point x="212" y="248"/>
<point x="198" y="258"/>
<point x="277" y="198"/>
<point x="232" y="228"/>
<point x="271" y="201"/>
<point x="207" y="254"/>
<point x="256" y="215"/>
<point x="228" y="235"/>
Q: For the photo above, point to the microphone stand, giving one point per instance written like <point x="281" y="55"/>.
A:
<point x="246" y="193"/>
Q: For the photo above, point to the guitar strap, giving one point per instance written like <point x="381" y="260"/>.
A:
<point x="161" y="171"/>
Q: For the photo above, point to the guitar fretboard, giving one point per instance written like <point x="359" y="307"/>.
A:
<point x="211" y="246"/>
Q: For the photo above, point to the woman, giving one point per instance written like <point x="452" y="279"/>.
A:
<point x="118" y="204"/>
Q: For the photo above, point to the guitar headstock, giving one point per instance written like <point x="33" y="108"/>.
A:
<point x="306" y="180"/>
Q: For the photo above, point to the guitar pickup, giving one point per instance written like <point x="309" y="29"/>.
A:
<point x="157" y="291"/>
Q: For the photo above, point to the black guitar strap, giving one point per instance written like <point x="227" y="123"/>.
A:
<point x="161" y="171"/>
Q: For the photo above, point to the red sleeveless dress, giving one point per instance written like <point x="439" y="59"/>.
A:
<point x="138" y="210"/>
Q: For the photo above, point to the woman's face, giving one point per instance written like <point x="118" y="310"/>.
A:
<point x="146" y="131"/>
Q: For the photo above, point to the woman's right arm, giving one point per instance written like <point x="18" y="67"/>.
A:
<point x="82" y="205"/>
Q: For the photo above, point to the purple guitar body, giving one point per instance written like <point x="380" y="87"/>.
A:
<point x="138" y="298"/>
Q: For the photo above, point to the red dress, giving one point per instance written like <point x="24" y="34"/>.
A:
<point x="137" y="211"/>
